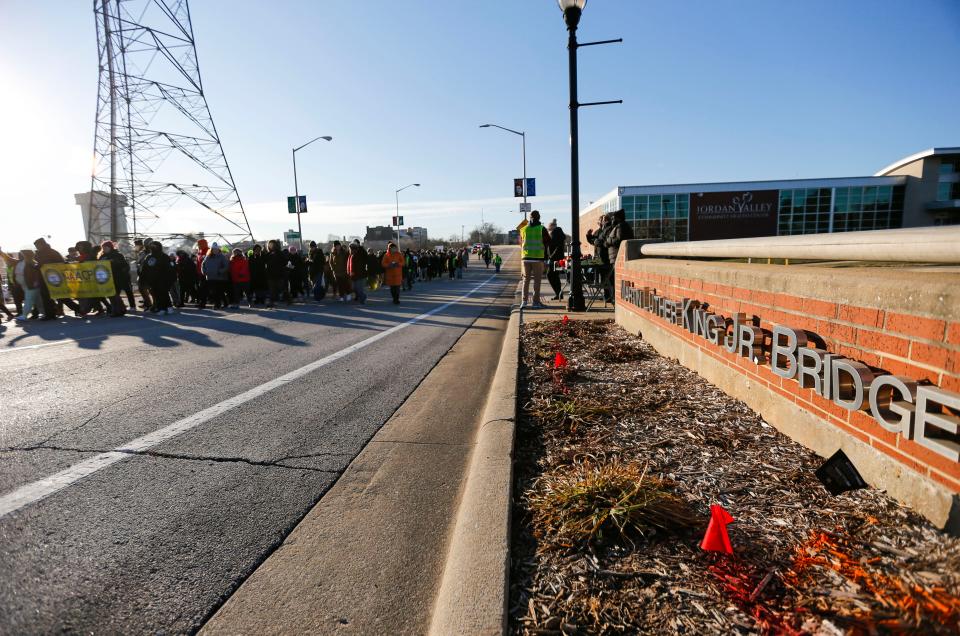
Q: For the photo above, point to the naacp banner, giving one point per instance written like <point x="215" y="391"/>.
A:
<point x="93" y="279"/>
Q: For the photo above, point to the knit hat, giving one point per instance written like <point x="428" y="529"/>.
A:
<point x="215" y="245"/>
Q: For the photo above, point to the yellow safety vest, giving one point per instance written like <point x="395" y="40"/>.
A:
<point x="533" y="242"/>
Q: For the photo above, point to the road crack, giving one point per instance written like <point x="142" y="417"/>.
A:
<point x="185" y="456"/>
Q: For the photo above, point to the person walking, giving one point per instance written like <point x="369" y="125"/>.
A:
<point x="497" y="262"/>
<point x="46" y="255"/>
<point x="357" y="270"/>
<point x="240" y="278"/>
<point x="186" y="277"/>
<point x="533" y="251"/>
<point x="257" y="265"/>
<point x="276" y="268"/>
<point x="216" y="269"/>
<point x="393" y="271"/>
<point x="157" y="274"/>
<point x="26" y="274"/>
<point x="558" y="243"/>
<point x="338" y="263"/>
<point x="119" y="269"/>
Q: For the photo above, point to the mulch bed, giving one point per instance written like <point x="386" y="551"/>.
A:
<point x="804" y="561"/>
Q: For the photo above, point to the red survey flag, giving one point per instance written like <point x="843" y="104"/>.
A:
<point x="716" y="539"/>
<point x="566" y="319"/>
<point x="559" y="361"/>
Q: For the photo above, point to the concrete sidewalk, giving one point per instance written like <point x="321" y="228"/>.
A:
<point x="368" y="559"/>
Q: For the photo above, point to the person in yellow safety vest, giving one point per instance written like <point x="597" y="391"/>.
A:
<point x="535" y="240"/>
<point x="497" y="262"/>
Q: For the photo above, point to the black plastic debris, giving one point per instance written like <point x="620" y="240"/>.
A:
<point x="838" y="474"/>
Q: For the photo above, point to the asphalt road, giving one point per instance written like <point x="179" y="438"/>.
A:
<point x="213" y="434"/>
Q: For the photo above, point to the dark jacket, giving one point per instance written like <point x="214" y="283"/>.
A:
<point x="598" y="241"/>
<point x="258" y="271"/>
<point x="357" y="264"/>
<point x="620" y="231"/>
<point x="157" y="270"/>
<point x="119" y="267"/>
<point x="558" y="243"/>
<point x="276" y="265"/>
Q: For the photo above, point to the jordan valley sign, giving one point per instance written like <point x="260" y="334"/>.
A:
<point x="898" y="403"/>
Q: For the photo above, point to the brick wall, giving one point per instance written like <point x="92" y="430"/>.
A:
<point x="894" y="321"/>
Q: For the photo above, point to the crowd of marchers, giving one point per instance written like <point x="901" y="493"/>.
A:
<point x="220" y="277"/>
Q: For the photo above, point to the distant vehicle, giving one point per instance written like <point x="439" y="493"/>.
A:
<point x="477" y="247"/>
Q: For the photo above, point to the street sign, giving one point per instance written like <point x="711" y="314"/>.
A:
<point x="291" y="236"/>
<point x="531" y="187"/>
<point x="292" y="204"/>
<point x="397" y="221"/>
<point x="518" y="187"/>
<point x="525" y="208"/>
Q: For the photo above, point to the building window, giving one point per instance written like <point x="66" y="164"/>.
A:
<point x="948" y="191"/>
<point x="661" y="216"/>
<point x="949" y="166"/>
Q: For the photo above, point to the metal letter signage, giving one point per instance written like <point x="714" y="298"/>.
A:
<point x="922" y="413"/>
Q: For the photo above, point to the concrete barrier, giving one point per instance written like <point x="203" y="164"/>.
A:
<point x="876" y="321"/>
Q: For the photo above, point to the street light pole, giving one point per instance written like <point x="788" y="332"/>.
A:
<point x="523" y="136"/>
<point x="575" y="302"/>
<point x="396" y="195"/>
<point x="296" y="187"/>
<point x="572" y="9"/>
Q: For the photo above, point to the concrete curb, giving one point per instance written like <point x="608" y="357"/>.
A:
<point x="472" y="598"/>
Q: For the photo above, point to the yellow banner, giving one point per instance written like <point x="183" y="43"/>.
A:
<point x="93" y="279"/>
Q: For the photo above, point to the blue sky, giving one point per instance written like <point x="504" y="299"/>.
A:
<point x="713" y="90"/>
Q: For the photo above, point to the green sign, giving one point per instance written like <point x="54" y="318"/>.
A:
<point x="291" y="205"/>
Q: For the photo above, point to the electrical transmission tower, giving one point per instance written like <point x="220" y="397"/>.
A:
<point x="159" y="166"/>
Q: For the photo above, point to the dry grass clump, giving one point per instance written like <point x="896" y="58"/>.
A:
<point x="618" y="353"/>
<point x="579" y="503"/>
<point x="570" y="413"/>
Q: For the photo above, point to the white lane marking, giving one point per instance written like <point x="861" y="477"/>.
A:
<point x="37" y="490"/>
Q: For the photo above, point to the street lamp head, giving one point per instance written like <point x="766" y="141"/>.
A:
<point x="484" y="125"/>
<point x="417" y="184"/>
<point x="571" y="11"/>
<point x="327" y="138"/>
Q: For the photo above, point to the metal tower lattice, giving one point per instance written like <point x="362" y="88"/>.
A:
<point x="157" y="154"/>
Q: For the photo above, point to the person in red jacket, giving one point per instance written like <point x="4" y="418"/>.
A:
<point x="240" y="278"/>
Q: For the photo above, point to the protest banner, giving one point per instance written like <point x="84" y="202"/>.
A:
<point x="93" y="279"/>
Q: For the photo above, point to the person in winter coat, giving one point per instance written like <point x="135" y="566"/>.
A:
<point x="118" y="268"/>
<point x="393" y="271"/>
<point x="338" y="263"/>
<point x="240" y="278"/>
<point x="297" y="274"/>
<point x="216" y="269"/>
<point x="203" y="291"/>
<point x="598" y="241"/>
<point x="26" y="274"/>
<point x="558" y="242"/>
<point x="157" y="273"/>
<point x="357" y="270"/>
<point x="186" y="271"/>
<point x="257" y="264"/>
<point x="275" y="261"/>
<point x="620" y="231"/>
<point x="46" y="255"/>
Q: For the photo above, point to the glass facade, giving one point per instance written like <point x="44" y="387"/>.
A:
<point x="658" y="216"/>
<point x="666" y="217"/>
<point x="808" y="210"/>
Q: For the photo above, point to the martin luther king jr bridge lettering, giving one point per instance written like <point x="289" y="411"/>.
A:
<point x="898" y="403"/>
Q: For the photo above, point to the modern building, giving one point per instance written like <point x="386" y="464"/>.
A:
<point x="920" y="190"/>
